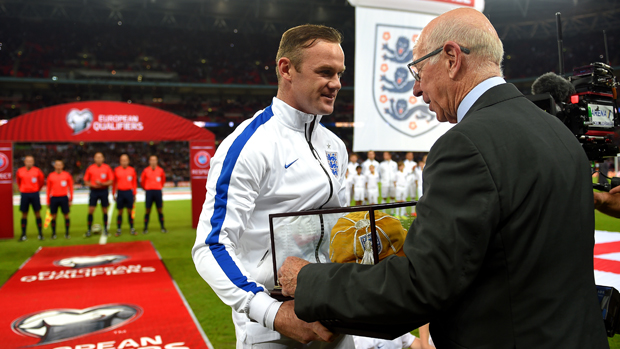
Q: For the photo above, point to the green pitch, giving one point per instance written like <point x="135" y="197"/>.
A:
<point x="174" y="247"/>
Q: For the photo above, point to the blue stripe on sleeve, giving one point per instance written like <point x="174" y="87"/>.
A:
<point x="218" y="250"/>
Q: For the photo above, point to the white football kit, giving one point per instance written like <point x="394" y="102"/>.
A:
<point x="349" y="189"/>
<point x="387" y="170"/>
<point x="418" y="178"/>
<point x="372" y="186"/>
<point x="280" y="160"/>
<point x="401" y="186"/>
<point x="359" y="187"/>
<point x="409" y="170"/>
<point x="366" y="165"/>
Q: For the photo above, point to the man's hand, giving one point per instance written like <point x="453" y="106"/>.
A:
<point x="608" y="203"/>
<point x="288" y="324"/>
<point x="287" y="275"/>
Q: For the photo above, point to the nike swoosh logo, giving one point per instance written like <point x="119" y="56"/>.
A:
<point x="289" y="165"/>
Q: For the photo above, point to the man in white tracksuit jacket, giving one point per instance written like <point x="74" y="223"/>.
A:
<point x="280" y="160"/>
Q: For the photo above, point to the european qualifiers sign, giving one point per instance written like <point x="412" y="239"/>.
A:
<point x="109" y="122"/>
<point x="101" y="121"/>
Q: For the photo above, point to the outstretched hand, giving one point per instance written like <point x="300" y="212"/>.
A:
<point x="608" y="203"/>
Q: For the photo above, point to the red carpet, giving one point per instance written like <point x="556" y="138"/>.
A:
<point x="117" y="296"/>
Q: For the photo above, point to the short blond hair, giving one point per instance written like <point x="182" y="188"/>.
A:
<point x="296" y="39"/>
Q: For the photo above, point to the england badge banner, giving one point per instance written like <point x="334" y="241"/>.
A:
<point x="387" y="114"/>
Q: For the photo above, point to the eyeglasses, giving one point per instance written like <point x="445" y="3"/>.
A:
<point x="416" y="73"/>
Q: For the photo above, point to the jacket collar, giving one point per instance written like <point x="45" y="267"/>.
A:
<point x="494" y="95"/>
<point x="291" y="117"/>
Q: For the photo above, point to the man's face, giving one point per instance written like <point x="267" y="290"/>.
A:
<point x="153" y="161"/>
<point x="353" y="158"/>
<point x="58" y="166"/>
<point x="409" y="156"/>
<point x="315" y="86"/>
<point x="434" y="86"/>
<point x="387" y="156"/>
<point x="29" y="161"/>
<point x="371" y="155"/>
<point x="99" y="158"/>
<point x="124" y="160"/>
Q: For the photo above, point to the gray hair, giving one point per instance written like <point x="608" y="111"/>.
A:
<point x="486" y="48"/>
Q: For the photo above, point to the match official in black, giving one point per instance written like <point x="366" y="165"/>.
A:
<point x="152" y="181"/>
<point x="124" y="190"/>
<point x="98" y="178"/>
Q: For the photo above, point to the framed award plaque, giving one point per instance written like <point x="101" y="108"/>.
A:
<point x="359" y="234"/>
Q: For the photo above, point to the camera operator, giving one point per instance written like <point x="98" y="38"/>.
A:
<point x="608" y="203"/>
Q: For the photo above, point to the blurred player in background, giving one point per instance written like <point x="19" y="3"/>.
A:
<point x="348" y="182"/>
<point x="369" y="161"/>
<point x="98" y="178"/>
<point x="352" y="168"/>
<point x="30" y="180"/>
<point x="359" y="186"/>
<point x="152" y="181"/>
<point x="416" y="182"/>
<point x="400" y="181"/>
<point x="59" y="194"/>
<point x="124" y="190"/>
<point x="372" y="185"/>
<point x="410" y="165"/>
<point x="387" y="171"/>
<point x="418" y="175"/>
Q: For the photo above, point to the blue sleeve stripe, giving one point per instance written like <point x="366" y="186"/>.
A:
<point x="218" y="250"/>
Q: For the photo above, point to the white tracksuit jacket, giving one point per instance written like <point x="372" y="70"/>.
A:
<point x="267" y="165"/>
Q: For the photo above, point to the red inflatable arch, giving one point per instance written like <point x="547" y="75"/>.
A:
<point x="103" y="122"/>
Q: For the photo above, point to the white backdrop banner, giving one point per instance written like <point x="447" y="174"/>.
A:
<point x="387" y="116"/>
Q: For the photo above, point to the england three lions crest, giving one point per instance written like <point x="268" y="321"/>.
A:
<point x="393" y="83"/>
<point x="332" y="160"/>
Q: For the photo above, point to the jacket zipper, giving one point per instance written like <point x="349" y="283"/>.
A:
<point x="316" y="156"/>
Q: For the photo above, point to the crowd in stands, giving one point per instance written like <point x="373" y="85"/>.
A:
<point x="173" y="157"/>
<point x="40" y="49"/>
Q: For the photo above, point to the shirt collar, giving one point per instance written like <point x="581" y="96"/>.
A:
<point x="475" y="93"/>
<point x="290" y="116"/>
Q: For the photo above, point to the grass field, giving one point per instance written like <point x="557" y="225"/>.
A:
<point x="174" y="247"/>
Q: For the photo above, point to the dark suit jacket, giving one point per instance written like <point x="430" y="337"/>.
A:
<point x="500" y="255"/>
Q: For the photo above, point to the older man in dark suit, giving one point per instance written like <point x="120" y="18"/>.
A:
<point x="500" y="255"/>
